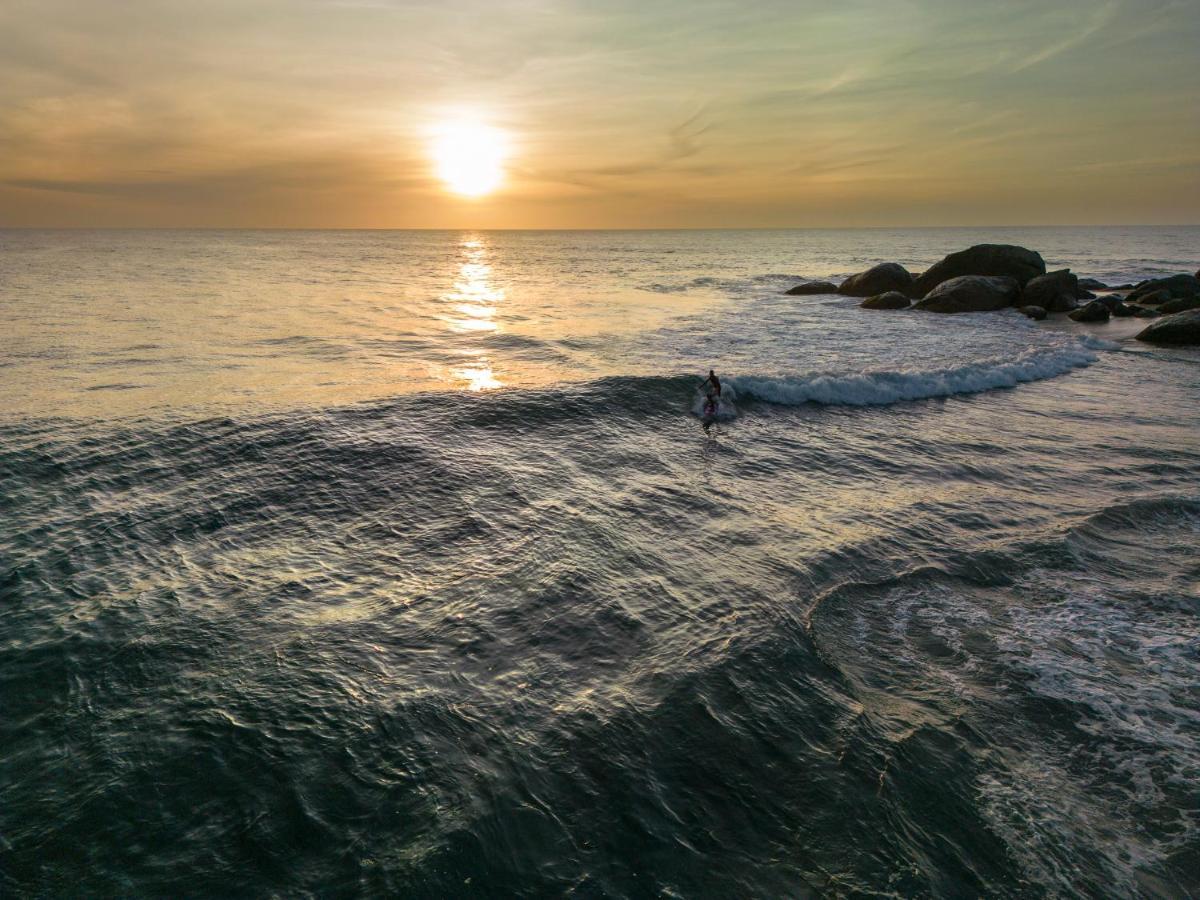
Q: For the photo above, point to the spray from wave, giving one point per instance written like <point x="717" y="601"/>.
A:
<point x="883" y="387"/>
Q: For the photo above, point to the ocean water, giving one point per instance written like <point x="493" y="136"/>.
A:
<point x="398" y="563"/>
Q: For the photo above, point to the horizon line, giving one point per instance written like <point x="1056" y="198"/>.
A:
<point x="299" y="228"/>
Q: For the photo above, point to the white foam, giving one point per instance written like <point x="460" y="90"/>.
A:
<point x="879" y="388"/>
<point x="726" y="409"/>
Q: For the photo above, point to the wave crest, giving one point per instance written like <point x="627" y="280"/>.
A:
<point x="883" y="387"/>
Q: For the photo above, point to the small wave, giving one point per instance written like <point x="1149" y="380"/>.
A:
<point x="702" y="282"/>
<point x="885" y="387"/>
<point x="117" y="386"/>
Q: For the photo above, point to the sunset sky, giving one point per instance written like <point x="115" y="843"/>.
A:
<point x="327" y="113"/>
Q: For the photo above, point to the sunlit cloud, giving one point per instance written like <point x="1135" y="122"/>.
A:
<point x="570" y="113"/>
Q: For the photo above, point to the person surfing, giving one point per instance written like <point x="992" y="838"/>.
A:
<point x="710" y="407"/>
<point x="714" y="381"/>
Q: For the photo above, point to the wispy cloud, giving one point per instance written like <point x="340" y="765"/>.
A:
<point x="1102" y="18"/>
<point x="620" y="110"/>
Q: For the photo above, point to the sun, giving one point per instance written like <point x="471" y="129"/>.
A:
<point x="469" y="157"/>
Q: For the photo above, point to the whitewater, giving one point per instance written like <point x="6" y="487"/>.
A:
<point x="401" y="563"/>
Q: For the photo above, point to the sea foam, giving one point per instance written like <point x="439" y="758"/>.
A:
<point x="879" y="388"/>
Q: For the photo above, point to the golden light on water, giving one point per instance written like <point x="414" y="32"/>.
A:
<point x="474" y="302"/>
<point x="469" y="156"/>
<point x="479" y="377"/>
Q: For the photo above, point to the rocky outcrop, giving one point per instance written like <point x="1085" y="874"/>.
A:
<point x="1143" y="312"/>
<point x="879" y="279"/>
<point x="1033" y="312"/>
<point x="1175" y="285"/>
<point x="1180" y="304"/>
<point x="890" y="300"/>
<point x="1120" y="310"/>
<point x="1181" y="328"/>
<point x="1091" y="284"/>
<point x="813" y="287"/>
<point x="994" y="260"/>
<point x="1151" y="299"/>
<point x="1093" y="312"/>
<point x="971" y="293"/>
<point x="1054" y="291"/>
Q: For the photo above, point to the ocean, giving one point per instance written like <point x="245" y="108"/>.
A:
<point x="399" y="564"/>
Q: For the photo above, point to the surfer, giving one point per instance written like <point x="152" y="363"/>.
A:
<point x="714" y="381"/>
<point x="710" y="406"/>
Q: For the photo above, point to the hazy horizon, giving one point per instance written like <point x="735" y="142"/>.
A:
<point x="951" y="227"/>
<point x="580" y="115"/>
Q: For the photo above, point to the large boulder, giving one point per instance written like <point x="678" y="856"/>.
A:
<point x="1033" y="312"/>
<point x="1091" y="284"/>
<point x="890" y="300"/>
<point x="1144" y="312"/>
<point x="813" y="287"/>
<point x="1181" y="328"/>
<point x="1093" y="312"/>
<point x="971" y="293"/>
<point x="982" y="259"/>
<point x="1120" y="310"/>
<point x="1152" y="299"/>
<point x="1180" y="304"/>
<point x="1175" y="285"/>
<point x="1054" y="291"/>
<point x="879" y="279"/>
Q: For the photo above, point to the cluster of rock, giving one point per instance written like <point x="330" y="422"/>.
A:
<point x="997" y="276"/>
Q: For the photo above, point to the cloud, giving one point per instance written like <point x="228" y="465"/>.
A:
<point x="1099" y="21"/>
<point x="621" y="110"/>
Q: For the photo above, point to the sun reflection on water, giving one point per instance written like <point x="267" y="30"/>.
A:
<point x="473" y="303"/>
<point x="478" y="377"/>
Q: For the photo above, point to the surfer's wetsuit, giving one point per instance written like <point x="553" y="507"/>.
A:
<point x="714" y="380"/>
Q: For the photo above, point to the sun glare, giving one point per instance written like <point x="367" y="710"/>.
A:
<point x="469" y="157"/>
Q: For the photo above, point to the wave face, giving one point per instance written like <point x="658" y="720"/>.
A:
<point x="882" y="388"/>
<point x="389" y="575"/>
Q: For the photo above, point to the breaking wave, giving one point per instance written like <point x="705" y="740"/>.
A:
<point x="881" y="388"/>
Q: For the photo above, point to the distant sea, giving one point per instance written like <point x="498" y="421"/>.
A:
<point x="399" y="564"/>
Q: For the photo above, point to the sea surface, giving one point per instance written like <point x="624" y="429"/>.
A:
<point x="343" y="564"/>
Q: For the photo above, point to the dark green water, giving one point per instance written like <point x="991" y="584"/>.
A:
<point x="558" y="639"/>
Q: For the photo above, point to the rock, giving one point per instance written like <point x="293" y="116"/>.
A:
<point x="813" y="287"/>
<point x="982" y="259"/>
<point x="1054" y="291"/>
<point x="1091" y="284"/>
<point x="880" y="279"/>
<point x="1151" y="299"/>
<point x="1180" y="304"/>
<point x="1034" y="312"/>
<point x="1175" y="285"/>
<point x="1093" y="312"/>
<point x="1142" y="312"/>
<point x="971" y="293"/>
<point x="1084" y="295"/>
<point x="1120" y="310"/>
<point x="1181" y="328"/>
<point x="890" y="300"/>
<point x="1109" y="300"/>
